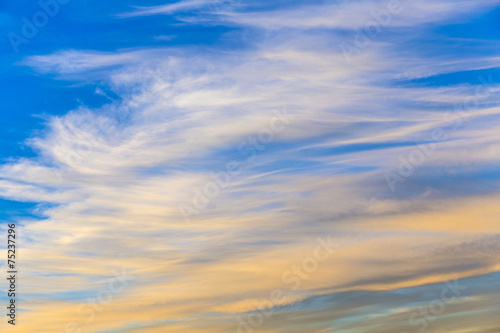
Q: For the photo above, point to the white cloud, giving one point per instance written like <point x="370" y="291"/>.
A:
<point x="176" y="7"/>
<point x="182" y="114"/>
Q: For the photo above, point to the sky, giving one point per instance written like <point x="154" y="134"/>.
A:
<point x="252" y="166"/>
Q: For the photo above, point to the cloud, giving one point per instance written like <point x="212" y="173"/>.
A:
<point x="70" y="62"/>
<point x="180" y="6"/>
<point x="114" y="177"/>
<point x="320" y="14"/>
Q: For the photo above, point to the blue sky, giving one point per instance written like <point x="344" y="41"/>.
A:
<point x="371" y="122"/>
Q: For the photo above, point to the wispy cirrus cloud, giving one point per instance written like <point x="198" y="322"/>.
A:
<point x="176" y="7"/>
<point x="112" y="177"/>
<point x="320" y="14"/>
